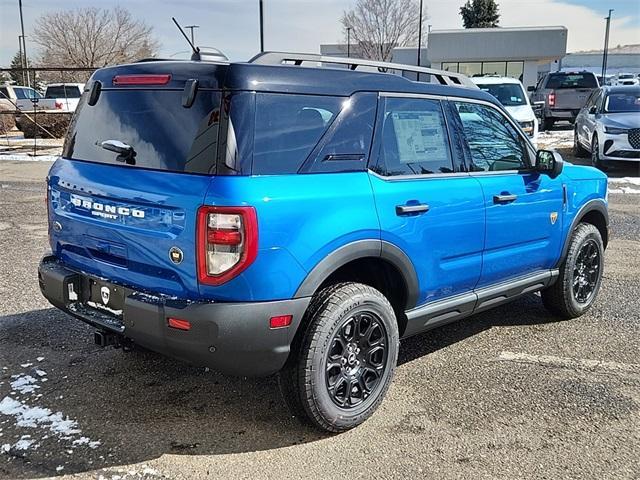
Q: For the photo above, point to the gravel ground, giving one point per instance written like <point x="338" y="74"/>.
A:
<point x="510" y="393"/>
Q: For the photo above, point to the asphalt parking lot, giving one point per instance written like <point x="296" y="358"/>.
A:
<point x="510" y="393"/>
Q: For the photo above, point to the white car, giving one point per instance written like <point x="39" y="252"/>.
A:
<point x="511" y="94"/>
<point x="625" y="79"/>
<point x="66" y="95"/>
<point x="608" y="127"/>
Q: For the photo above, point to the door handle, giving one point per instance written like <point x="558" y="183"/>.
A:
<point x="504" y="198"/>
<point x="409" y="209"/>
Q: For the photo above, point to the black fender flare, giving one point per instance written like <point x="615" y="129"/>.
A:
<point x="596" y="204"/>
<point x="362" y="249"/>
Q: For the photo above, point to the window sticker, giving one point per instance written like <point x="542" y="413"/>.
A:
<point x="420" y="136"/>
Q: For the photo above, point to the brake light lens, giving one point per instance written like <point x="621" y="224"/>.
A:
<point x="58" y="105"/>
<point x="227" y="242"/>
<point x="552" y="99"/>
<point x="146" y="79"/>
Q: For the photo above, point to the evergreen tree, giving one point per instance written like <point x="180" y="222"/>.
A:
<point x="480" y="14"/>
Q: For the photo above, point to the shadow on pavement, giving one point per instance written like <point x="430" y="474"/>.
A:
<point x="140" y="405"/>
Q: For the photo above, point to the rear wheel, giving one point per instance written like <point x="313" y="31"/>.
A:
<point x="580" y="275"/>
<point x="578" y="150"/>
<point x="343" y="365"/>
<point x="547" y="123"/>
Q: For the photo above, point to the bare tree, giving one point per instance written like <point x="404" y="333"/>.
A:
<point x="378" y="26"/>
<point x="92" y="37"/>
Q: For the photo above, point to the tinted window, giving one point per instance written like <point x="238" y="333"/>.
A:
<point x="622" y="102"/>
<point x="20" y="93"/>
<point x="161" y="132"/>
<point x="61" y="91"/>
<point x="414" y="138"/>
<point x="4" y="93"/>
<point x="345" y="146"/>
<point x="508" y="94"/>
<point x="572" y="80"/>
<point x="493" y="142"/>
<point x="287" y="127"/>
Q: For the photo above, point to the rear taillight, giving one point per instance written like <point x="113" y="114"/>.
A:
<point x="142" y="79"/>
<point x="227" y="242"/>
<point x="58" y="105"/>
<point x="552" y="99"/>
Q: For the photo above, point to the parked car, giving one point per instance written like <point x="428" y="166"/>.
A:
<point x="621" y="79"/>
<point x="511" y="94"/>
<point x="66" y="95"/>
<point x="26" y="98"/>
<point x="265" y="217"/>
<point x="608" y="127"/>
<point x="563" y="94"/>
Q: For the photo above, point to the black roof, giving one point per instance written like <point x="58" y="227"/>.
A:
<point x="284" y="79"/>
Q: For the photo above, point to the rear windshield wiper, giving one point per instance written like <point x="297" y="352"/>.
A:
<point x="125" y="152"/>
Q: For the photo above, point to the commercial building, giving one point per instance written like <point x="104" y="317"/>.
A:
<point x="523" y="52"/>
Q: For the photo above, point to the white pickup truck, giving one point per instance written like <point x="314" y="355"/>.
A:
<point x="66" y="95"/>
<point x="26" y="99"/>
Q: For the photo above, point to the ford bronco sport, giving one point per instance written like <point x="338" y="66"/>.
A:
<point x="269" y="216"/>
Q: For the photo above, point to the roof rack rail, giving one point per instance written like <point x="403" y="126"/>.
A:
<point x="443" y="77"/>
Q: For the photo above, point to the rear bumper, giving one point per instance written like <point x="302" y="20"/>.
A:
<point x="564" y="114"/>
<point x="232" y="338"/>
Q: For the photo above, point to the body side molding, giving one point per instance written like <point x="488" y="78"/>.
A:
<point x="450" y="309"/>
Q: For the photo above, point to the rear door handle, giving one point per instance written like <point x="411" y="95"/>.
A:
<point x="409" y="209"/>
<point x="504" y="198"/>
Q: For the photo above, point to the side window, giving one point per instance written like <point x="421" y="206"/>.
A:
<point x="414" y="139"/>
<point x="4" y="93"/>
<point x="20" y="95"/>
<point x="493" y="142"/>
<point x="287" y="127"/>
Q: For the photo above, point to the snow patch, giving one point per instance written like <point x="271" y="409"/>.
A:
<point x="40" y="359"/>
<point x="38" y="417"/>
<point x="629" y="180"/>
<point x="24" y="384"/>
<point x="23" y="157"/>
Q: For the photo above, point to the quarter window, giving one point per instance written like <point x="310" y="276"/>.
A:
<point x="494" y="143"/>
<point x="414" y="138"/>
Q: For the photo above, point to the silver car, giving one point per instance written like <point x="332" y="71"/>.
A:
<point x="608" y="126"/>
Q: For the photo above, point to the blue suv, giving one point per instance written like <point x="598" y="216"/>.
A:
<point x="272" y="216"/>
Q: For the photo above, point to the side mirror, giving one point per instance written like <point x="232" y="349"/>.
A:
<point x="531" y="88"/>
<point x="549" y="162"/>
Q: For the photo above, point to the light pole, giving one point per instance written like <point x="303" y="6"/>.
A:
<point x="24" y="44"/>
<point x="419" y="37"/>
<point x="24" y="80"/>
<point x="261" y="28"/>
<point x="348" y="42"/>
<point x="605" y="52"/>
<point x="192" y="27"/>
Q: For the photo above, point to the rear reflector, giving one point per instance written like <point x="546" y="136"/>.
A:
<point x="149" y="79"/>
<point x="179" y="323"/>
<point x="280" y="321"/>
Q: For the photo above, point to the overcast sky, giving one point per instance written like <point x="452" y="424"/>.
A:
<point x="302" y="25"/>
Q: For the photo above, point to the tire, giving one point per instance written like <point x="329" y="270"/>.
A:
<point x="547" y="123"/>
<point x="578" y="150"/>
<point x="332" y="326"/>
<point x="561" y="298"/>
<point x="595" y="154"/>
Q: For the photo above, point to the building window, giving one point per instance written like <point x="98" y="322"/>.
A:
<point x="515" y="70"/>
<point x="470" y="68"/>
<point x="494" y="68"/>
<point x="450" y="67"/>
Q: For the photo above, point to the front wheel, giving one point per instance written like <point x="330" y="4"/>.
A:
<point x="580" y="274"/>
<point x="340" y="372"/>
<point x="595" y="153"/>
<point x="578" y="150"/>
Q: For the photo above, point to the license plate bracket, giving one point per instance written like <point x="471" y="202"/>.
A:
<point x="105" y="296"/>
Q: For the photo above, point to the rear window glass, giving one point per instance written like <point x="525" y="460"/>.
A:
<point x="287" y="127"/>
<point x="63" y="92"/>
<point x="508" y="94"/>
<point x="572" y="80"/>
<point x="160" y="132"/>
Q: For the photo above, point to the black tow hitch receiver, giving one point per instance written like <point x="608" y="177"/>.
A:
<point x="105" y="339"/>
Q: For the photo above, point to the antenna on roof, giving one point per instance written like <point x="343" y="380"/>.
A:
<point x="196" y="51"/>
